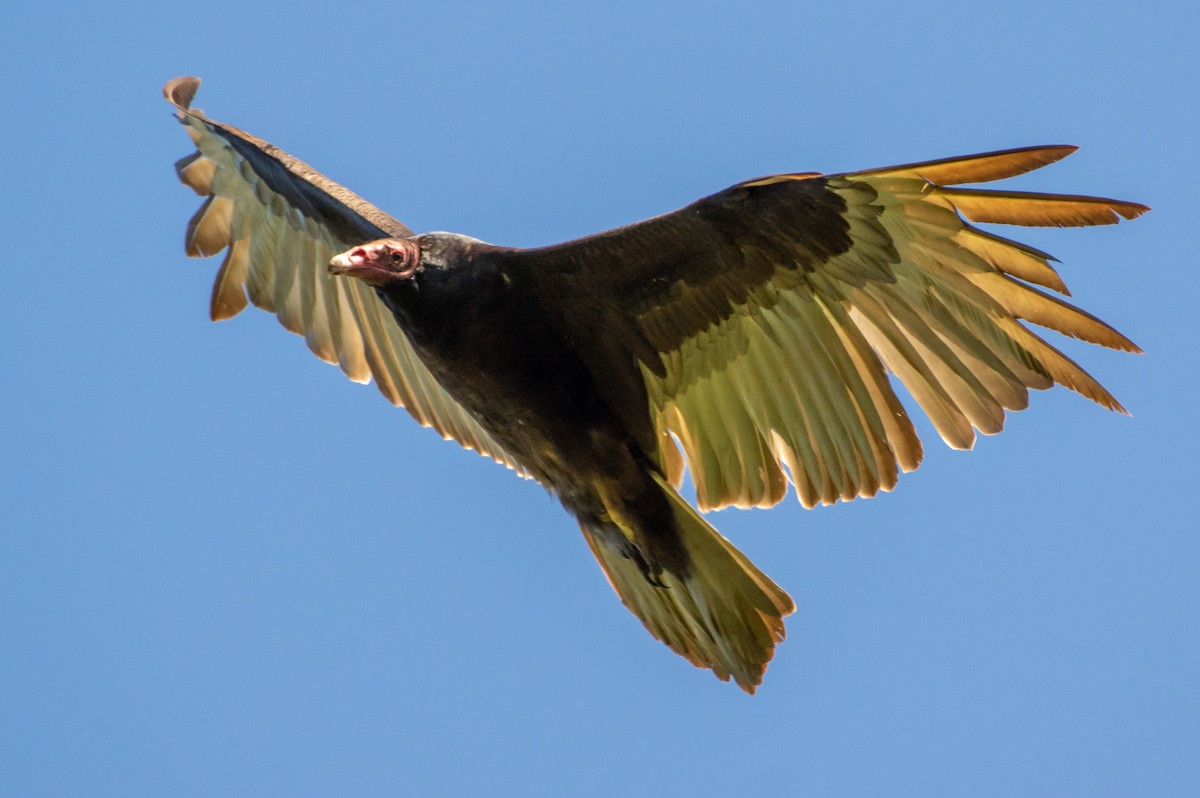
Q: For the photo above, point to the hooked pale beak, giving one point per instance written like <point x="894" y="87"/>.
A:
<point x="348" y="261"/>
<point x="378" y="263"/>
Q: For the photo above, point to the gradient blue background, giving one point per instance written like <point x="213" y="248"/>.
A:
<point x="226" y="571"/>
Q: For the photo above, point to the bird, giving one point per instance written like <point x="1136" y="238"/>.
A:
<point x="753" y="339"/>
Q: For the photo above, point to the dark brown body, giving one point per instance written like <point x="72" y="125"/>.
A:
<point x="476" y="322"/>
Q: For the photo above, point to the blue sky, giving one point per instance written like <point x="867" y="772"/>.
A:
<point x="225" y="570"/>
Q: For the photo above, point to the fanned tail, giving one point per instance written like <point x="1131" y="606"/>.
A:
<point x="723" y="614"/>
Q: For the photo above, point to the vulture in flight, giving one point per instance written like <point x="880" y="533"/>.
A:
<point x="748" y="337"/>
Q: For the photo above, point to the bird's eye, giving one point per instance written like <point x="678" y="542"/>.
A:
<point x="397" y="256"/>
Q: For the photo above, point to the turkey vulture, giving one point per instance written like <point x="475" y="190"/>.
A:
<point x="753" y="329"/>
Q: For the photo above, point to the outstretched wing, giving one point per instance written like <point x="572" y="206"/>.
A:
<point x="759" y="324"/>
<point x="279" y="222"/>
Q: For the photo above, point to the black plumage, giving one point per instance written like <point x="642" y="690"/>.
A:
<point x="749" y="335"/>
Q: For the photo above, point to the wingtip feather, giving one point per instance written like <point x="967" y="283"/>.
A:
<point x="1039" y="210"/>
<point x="980" y="167"/>
<point x="180" y="91"/>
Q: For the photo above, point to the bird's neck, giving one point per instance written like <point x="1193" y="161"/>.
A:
<point x="436" y="303"/>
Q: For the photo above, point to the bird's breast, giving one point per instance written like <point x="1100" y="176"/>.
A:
<point x="497" y="352"/>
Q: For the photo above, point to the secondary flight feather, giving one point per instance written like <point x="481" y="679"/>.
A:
<point x="751" y="337"/>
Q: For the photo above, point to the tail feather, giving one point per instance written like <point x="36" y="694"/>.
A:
<point x="725" y="614"/>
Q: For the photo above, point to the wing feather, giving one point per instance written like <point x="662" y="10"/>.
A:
<point x="208" y="231"/>
<point x="196" y="172"/>
<point x="851" y="426"/>
<point x="903" y="359"/>
<point x="1032" y="305"/>
<point x="1020" y="261"/>
<point x="981" y="168"/>
<point x="1039" y="210"/>
<point x="901" y="445"/>
<point x="228" y="296"/>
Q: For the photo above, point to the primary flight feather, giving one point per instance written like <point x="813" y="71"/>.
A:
<point x="754" y="329"/>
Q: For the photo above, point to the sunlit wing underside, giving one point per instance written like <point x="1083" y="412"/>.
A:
<point x="279" y="222"/>
<point x="795" y="378"/>
<point x="767" y="318"/>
